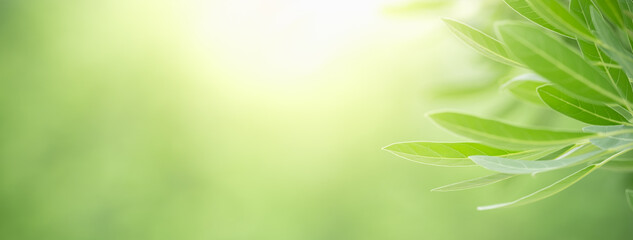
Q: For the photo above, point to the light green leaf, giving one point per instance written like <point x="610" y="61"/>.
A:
<point x="555" y="61"/>
<point x="611" y="137"/>
<point x="444" y="154"/>
<point x="629" y="197"/>
<point x="557" y="15"/>
<point x="513" y="166"/>
<point x="556" y="187"/>
<point x="474" y="183"/>
<point x="494" y="178"/>
<point x="524" y="87"/>
<point x="481" y="42"/>
<point x="580" y="110"/>
<point x="503" y="135"/>
<point x="524" y="9"/>
<point x="546" y="192"/>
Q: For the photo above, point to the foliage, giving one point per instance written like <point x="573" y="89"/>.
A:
<point x="579" y="59"/>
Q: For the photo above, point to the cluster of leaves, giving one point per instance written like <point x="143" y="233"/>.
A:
<point x="579" y="59"/>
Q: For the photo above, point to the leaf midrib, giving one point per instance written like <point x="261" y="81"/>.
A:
<point x="586" y="111"/>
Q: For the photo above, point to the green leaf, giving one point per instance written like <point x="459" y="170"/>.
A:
<point x="580" y="110"/>
<point x="481" y="42"/>
<point x="611" y="8"/>
<point x="581" y="9"/>
<point x="556" y="187"/>
<point x="546" y="192"/>
<point x="622" y="111"/>
<point x="524" y="87"/>
<point x="444" y="154"/>
<point x="503" y="135"/>
<point x="557" y="15"/>
<point x="591" y="51"/>
<point x="513" y="166"/>
<point x="494" y="178"/>
<point x="629" y="197"/>
<point x="524" y="9"/>
<point x="613" y="42"/>
<point x="611" y="137"/>
<point x="555" y="61"/>
<point x="474" y="183"/>
<point x="627" y="12"/>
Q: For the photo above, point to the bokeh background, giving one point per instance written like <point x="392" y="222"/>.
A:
<point x="253" y="119"/>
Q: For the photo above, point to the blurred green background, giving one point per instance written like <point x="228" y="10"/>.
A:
<point x="247" y="119"/>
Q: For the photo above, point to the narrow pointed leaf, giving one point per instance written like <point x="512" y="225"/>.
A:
<point x="612" y="137"/>
<point x="474" y="183"/>
<point x="494" y="178"/>
<point x="524" y="9"/>
<point x="456" y="154"/>
<point x="590" y="50"/>
<point x="548" y="191"/>
<point x="627" y="13"/>
<point x="580" y="8"/>
<point x="613" y="42"/>
<point x="513" y="166"/>
<point x="524" y="87"/>
<point x="557" y="15"/>
<point x="444" y="154"/>
<point x="622" y="111"/>
<point x="503" y="135"/>
<point x="555" y="61"/>
<point x="578" y="109"/>
<point x="611" y="9"/>
<point x="481" y="42"/>
<point x="555" y="187"/>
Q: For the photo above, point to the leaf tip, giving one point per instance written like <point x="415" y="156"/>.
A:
<point x="388" y="147"/>
<point x="434" y="115"/>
